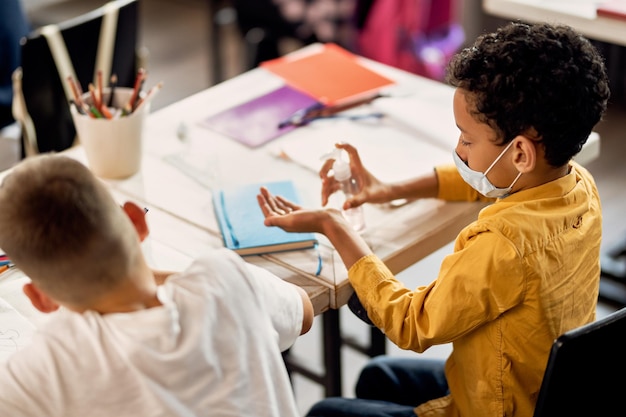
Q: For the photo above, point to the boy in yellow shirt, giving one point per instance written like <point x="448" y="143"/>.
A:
<point x="526" y="271"/>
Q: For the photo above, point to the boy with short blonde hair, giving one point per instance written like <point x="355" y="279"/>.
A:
<point x="127" y="340"/>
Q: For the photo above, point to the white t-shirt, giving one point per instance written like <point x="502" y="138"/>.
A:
<point x="212" y="349"/>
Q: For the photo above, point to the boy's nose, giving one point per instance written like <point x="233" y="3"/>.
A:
<point x="460" y="150"/>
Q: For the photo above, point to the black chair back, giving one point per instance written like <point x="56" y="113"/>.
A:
<point x="43" y="92"/>
<point x="585" y="371"/>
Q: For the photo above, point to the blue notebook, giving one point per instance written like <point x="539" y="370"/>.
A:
<point x="241" y="220"/>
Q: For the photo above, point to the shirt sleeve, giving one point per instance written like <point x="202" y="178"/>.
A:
<point x="281" y="301"/>
<point x="474" y="286"/>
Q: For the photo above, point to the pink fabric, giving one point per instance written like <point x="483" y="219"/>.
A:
<point x="397" y="31"/>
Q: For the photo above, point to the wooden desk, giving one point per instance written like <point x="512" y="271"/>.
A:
<point x="181" y="216"/>
<point x="579" y="14"/>
<point x="400" y="236"/>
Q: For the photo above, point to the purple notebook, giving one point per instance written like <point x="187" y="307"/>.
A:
<point x="257" y="121"/>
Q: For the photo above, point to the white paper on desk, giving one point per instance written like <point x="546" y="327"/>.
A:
<point x="389" y="153"/>
<point x="585" y="9"/>
<point x="428" y="118"/>
<point x="15" y="330"/>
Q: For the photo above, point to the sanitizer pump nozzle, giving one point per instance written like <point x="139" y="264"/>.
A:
<point x="349" y="186"/>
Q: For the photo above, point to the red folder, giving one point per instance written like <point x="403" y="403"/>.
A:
<point x="330" y="74"/>
<point x="612" y="8"/>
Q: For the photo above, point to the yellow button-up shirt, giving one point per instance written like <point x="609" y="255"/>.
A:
<point x="526" y="271"/>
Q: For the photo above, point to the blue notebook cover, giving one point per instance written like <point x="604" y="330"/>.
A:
<point x="241" y="220"/>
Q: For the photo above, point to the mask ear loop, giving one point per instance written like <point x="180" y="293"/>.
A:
<point x="515" y="180"/>
<point x="498" y="158"/>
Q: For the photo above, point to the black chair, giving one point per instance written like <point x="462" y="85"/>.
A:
<point x="263" y="28"/>
<point x="260" y="27"/>
<point x="41" y="103"/>
<point x="585" y="371"/>
<point x="613" y="277"/>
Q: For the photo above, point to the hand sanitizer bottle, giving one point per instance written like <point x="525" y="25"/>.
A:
<point x="349" y="186"/>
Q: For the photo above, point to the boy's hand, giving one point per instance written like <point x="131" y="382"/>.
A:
<point x="371" y="189"/>
<point x="329" y="222"/>
<point x="289" y="216"/>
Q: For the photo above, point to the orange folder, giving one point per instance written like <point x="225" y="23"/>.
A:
<point x="330" y="74"/>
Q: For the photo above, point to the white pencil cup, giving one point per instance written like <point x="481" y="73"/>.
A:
<point x="113" y="146"/>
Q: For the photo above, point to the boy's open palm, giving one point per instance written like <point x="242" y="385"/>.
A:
<point x="287" y="215"/>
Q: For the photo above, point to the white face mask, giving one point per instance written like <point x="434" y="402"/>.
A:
<point x="479" y="181"/>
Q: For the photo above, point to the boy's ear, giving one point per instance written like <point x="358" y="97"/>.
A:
<point x="137" y="216"/>
<point x="524" y="154"/>
<point x="39" y="299"/>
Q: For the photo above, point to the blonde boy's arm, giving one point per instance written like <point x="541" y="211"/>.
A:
<point x="308" y="314"/>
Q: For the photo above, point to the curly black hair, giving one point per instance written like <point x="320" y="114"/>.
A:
<point x="539" y="79"/>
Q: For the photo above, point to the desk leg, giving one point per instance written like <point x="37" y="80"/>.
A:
<point x="332" y="342"/>
<point x="332" y="352"/>
<point x="377" y="345"/>
<point x="221" y="14"/>
<point x="330" y="379"/>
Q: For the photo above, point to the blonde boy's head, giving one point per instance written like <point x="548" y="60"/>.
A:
<point x="59" y="224"/>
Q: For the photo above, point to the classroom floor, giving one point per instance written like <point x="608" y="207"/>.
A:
<point x="177" y="35"/>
